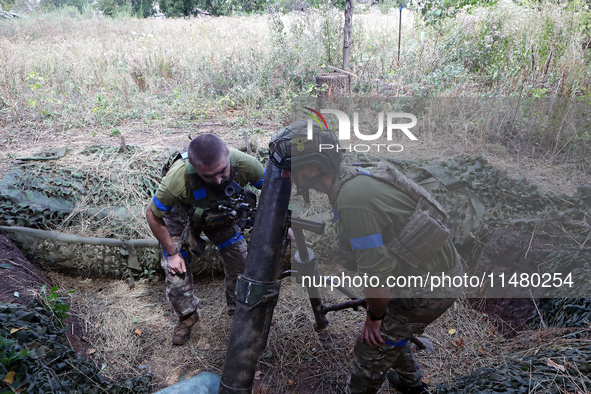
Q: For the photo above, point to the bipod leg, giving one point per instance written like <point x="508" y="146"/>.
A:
<point x="306" y="266"/>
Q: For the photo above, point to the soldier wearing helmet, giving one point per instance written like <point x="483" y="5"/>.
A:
<point x="315" y="162"/>
<point x="374" y="212"/>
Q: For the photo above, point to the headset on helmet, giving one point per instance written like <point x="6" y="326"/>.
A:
<point x="291" y="149"/>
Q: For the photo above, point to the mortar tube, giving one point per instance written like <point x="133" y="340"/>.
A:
<point x="263" y="265"/>
<point x="269" y="317"/>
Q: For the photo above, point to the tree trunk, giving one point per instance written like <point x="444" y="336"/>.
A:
<point x="330" y="86"/>
<point x="348" y="34"/>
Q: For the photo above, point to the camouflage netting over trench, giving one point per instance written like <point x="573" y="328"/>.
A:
<point x="552" y="368"/>
<point x="37" y="357"/>
<point x="103" y="192"/>
<point x="99" y="192"/>
<point x="480" y="199"/>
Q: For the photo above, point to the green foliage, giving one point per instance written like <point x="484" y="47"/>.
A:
<point x="54" y="4"/>
<point x="109" y="7"/>
<point x="434" y="11"/>
<point x="339" y="4"/>
<point x="142" y="8"/>
<point x="55" y="303"/>
<point x="177" y="8"/>
<point x="7" y="5"/>
<point x="499" y="44"/>
<point x="45" y="100"/>
<point x="182" y="8"/>
<point x="126" y="8"/>
<point x="227" y="7"/>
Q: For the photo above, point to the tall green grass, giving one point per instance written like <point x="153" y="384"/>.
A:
<point x="71" y="69"/>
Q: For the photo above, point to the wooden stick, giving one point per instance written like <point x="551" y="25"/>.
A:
<point x="248" y="150"/>
<point x="343" y="71"/>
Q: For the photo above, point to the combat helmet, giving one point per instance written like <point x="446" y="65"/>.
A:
<point x="291" y="149"/>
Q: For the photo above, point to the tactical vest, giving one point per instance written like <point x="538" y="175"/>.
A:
<point x="425" y="232"/>
<point x="195" y="182"/>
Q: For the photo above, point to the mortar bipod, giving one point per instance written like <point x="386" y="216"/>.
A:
<point x="306" y="265"/>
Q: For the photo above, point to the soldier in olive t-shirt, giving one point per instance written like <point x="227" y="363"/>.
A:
<point x="371" y="211"/>
<point x="196" y="179"/>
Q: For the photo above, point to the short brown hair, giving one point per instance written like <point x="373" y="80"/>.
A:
<point x="206" y="149"/>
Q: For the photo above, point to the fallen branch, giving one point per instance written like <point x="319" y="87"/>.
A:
<point x="343" y="71"/>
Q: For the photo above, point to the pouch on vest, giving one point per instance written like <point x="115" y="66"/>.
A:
<point x="421" y="237"/>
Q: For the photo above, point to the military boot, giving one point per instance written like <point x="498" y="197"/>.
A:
<point x="182" y="331"/>
<point x="397" y="383"/>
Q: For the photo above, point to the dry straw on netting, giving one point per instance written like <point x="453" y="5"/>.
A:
<point x="100" y="193"/>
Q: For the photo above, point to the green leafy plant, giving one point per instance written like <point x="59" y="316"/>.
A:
<point x="434" y="11"/>
<point x="54" y="302"/>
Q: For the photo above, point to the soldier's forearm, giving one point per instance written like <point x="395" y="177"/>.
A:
<point x="377" y="299"/>
<point x="160" y="231"/>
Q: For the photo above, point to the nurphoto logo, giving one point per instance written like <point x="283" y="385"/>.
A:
<point x="344" y="130"/>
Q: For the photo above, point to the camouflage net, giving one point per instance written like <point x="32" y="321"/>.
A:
<point x="36" y="352"/>
<point x="563" y="312"/>
<point x="103" y="192"/>
<point x="552" y="369"/>
<point x="480" y="198"/>
<point x="100" y="191"/>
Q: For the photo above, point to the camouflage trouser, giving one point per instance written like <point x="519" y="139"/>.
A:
<point x="405" y="318"/>
<point x="179" y="288"/>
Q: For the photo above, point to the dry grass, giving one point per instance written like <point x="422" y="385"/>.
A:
<point x="297" y="358"/>
<point x="82" y="70"/>
<point x="75" y="79"/>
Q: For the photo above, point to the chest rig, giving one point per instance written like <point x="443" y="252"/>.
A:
<point x="202" y="202"/>
<point x="425" y="232"/>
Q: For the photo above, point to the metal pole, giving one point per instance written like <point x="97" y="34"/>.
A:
<point x="307" y="267"/>
<point x="258" y="288"/>
<point x="399" y="32"/>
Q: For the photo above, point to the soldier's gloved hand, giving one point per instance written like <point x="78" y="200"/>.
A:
<point x="176" y="264"/>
